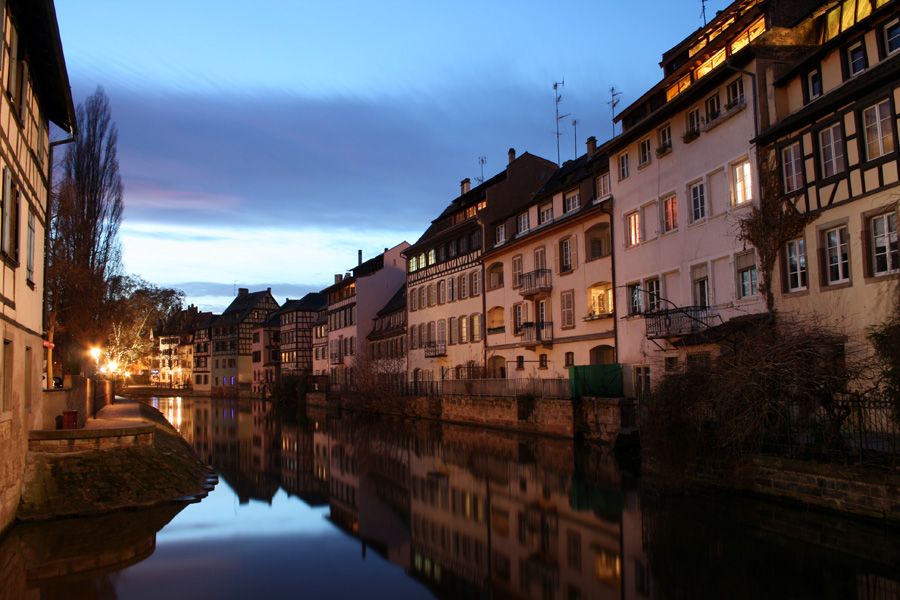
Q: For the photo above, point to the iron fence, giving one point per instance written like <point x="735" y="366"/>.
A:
<point x="678" y="321"/>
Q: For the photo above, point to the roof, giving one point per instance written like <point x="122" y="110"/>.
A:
<point x="241" y="307"/>
<point x="36" y="21"/>
<point x="396" y="303"/>
<point x="312" y="302"/>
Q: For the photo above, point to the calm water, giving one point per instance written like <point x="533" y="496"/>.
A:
<point x="324" y="505"/>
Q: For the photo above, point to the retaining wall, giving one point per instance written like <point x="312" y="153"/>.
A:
<point x="87" y="440"/>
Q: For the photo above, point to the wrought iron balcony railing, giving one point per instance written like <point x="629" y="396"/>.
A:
<point x="678" y="321"/>
<point x="336" y="358"/>
<point x="535" y="282"/>
<point x="433" y="349"/>
<point x="537" y="333"/>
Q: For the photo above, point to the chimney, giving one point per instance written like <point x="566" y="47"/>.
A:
<point x="512" y="155"/>
<point x="592" y="145"/>
<point x="269" y="290"/>
<point x="338" y="277"/>
<point x="464" y="186"/>
<point x="243" y="292"/>
<point x="359" y="258"/>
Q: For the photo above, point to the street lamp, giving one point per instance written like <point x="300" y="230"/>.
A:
<point x="95" y="352"/>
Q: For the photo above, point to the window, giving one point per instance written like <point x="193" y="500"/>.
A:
<point x="641" y="381"/>
<point x="464" y="330"/>
<point x="475" y="327"/>
<point x="432" y="297"/>
<point x="700" y="285"/>
<point x="423" y="299"/>
<point x="892" y="36"/>
<point x="464" y="244"/>
<point x="545" y="213"/>
<point x="597" y="240"/>
<point x="633" y="229"/>
<point x="644" y="154"/>
<point x="452" y="248"/>
<point x="693" y="120"/>
<point x="567" y="305"/>
<point x="623" y="166"/>
<point x="29" y="265"/>
<point x="454" y="329"/>
<point x="9" y="233"/>
<point x="745" y="264"/>
<point x="572" y="200"/>
<point x="442" y="253"/>
<point x="565" y="255"/>
<point x="713" y="108"/>
<point x="414" y="301"/>
<point x="698" y="201"/>
<point x="522" y="222"/>
<point x="432" y="256"/>
<point x="570" y="359"/>
<point x="814" y="84"/>
<point x="475" y="283"/>
<point x="451" y="289"/>
<point x="741" y="189"/>
<point x="670" y="213"/>
<point x="665" y="140"/>
<point x="542" y="361"/>
<point x="413" y="264"/>
<point x="791" y="164"/>
<point x="877" y="126"/>
<point x="495" y="275"/>
<point x="500" y="233"/>
<point x="831" y="150"/>
<point x="634" y="299"/>
<point x="735" y="92"/>
<point x="856" y="59"/>
<point x="652" y="294"/>
<point x="885" y="258"/>
<point x="796" y="265"/>
<point x="518" y="317"/>
<point x="441" y="292"/>
<point x="600" y="299"/>
<point x="601" y="185"/>
<point x="463" y="287"/>
<point x="520" y="364"/>
<point x="516" y="271"/>
<point x="837" y="256"/>
<point x="540" y="258"/>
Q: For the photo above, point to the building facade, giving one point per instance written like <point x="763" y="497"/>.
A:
<point x="548" y="280"/>
<point x="231" y="339"/>
<point x="445" y="276"/>
<point x="296" y="326"/>
<point x="387" y="343"/>
<point x="36" y="93"/>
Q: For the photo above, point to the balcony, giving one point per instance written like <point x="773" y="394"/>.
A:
<point x="336" y="359"/>
<point x="535" y="283"/>
<point x="678" y="321"/>
<point x="534" y="334"/>
<point x="434" y="349"/>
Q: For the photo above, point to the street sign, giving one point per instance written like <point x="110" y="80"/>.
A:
<point x="50" y="345"/>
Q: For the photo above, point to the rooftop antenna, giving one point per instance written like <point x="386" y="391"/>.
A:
<point x="575" y="130"/>
<point x="613" y="102"/>
<point x="558" y="96"/>
<point x="481" y="161"/>
<point x="703" y="11"/>
<point x="234" y="289"/>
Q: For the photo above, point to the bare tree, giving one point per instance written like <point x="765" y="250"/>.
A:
<point x="84" y="253"/>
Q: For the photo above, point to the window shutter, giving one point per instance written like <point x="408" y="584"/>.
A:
<point x="783" y="269"/>
<point x="4" y="217"/>
<point x="866" y="239"/>
<point x="573" y="244"/>
<point x="823" y="265"/>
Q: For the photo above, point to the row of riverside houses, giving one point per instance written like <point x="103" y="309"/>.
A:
<point x="630" y="256"/>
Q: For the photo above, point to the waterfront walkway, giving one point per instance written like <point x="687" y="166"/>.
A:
<point x="123" y="413"/>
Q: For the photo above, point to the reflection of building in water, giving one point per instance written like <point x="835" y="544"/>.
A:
<point x="298" y="465"/>
<point x="266" y="451"/>
<point x="178" y="411"/>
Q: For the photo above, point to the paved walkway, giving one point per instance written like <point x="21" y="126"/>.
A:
<point x="123" y="413"/>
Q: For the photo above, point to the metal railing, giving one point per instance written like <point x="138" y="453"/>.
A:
<point x="535" y="282"/>
<point x="336" y="358"/>
<point x="433" y="349"/>
<point x="534" y="333"/>
<point x="678" y="321"/>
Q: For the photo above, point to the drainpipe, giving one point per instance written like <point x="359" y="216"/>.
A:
<point x="47" y="248"/>
<point x="755" y="99"/>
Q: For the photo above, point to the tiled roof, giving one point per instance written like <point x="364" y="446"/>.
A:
<point x="397" y="302"/>
<point x="241" y="307"/>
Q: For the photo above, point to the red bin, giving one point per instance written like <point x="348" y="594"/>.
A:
<point x="70" y="419"/>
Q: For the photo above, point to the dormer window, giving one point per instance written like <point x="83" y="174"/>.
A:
<point x="522" y="222"/>
<point x="814" y="84"/>
<point x="856" y="59"/>
<point x="892" y="36"/>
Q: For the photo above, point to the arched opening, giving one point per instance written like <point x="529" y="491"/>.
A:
<point x="496" y="320"/>
<point x="497" y="367"/>
<point x="600" y="300"/>
<point x="597" y="241"/>
<point x="603" y="355"/>
<point x="495" y="276"/>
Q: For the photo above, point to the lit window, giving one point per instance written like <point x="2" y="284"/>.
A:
<point x="831" y="149"/>
<point x="792" y="168"/>
<point x="633" y="225"/>
<point x="883" y="230"/>
<point x="670" y="214"/>
<point x="698" y="201"/>
<point x="796" y="265"/>
<point x="879" y="134"/>
<point x="600" y="299"/>
<point x="837" y="255"/>
<point x="740" y="186"/>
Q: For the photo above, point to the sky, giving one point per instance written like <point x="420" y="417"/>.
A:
<point x="264" y="144"/>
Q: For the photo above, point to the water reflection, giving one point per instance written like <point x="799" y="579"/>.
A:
<point x="325" y="504"/>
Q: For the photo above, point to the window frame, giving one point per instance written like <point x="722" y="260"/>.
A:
<point x="669" y="213"/>
<point x="861" y="61"/>
<point x="836" y="143"/>
<point x="500" y="233"/>
<point x="696" y="208"/>
<point x="601" y="185"/>
<point x="545" y="213"/>
<point x="633" y="232"/>
<point x="792" y="167"/>
<point x="795" y="254"/>
<point x="644" y="152"/>
<point x="523" y="223"/>
<point x="624" y="171"/>
<point x="571" y="201"/>
<point x="712" y="107"/>
<point x="741" y="183"/>
<point x="895" y="23"/>
<point x="843" y="259"/>
<point x="890" y="247"/>
<point x="883" y="128"/>
<point x="734" y="92"/>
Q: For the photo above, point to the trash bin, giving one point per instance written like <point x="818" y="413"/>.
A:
<point x="70" y="419"/>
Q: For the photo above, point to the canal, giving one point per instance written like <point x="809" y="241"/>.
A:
<point x="320" y="504"/>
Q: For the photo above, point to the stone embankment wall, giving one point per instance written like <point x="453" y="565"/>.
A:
<point x="598" y="419"/>
<point x="86" y="440"/>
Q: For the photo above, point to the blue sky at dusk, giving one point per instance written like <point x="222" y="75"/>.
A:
<point x="262" y="145"/>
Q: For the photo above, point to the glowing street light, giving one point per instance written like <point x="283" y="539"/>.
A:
<point x="95" y="352"/>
